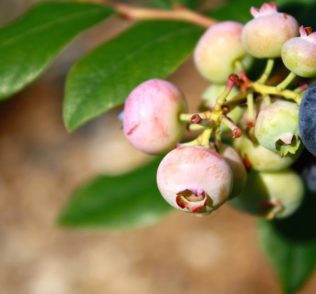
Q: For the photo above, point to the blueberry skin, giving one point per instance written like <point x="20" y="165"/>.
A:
<point x="307" y="119"/>
<point x="306" y="167"/>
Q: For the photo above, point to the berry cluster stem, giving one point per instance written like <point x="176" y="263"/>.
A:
<point x="288" y="80"/>
<point x="267" y="71"/>
<point x="266" y="99"/>
<point x="273" y="90"/>
<point x="238" y="66"/>
<point x="236" y="131"/>
<point x="232" y="80"/>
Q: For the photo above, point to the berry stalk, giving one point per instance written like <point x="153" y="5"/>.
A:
<point x="267" y="71"/>
<point x="286" y="82"/>
<point x="273" y="90"/>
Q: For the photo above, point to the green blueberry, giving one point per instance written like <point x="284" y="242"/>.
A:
<point x="259" y="158"/>
<point x="271" y="195"/>
<point x="299" y="54"/>
<point x="277" y="127"/>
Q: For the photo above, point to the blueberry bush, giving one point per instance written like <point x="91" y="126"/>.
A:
<point x="254" y="135"/>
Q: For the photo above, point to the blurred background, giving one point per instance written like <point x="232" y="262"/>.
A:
<point x="41" y="164"/>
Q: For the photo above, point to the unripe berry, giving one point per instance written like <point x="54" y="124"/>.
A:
<point x="218" y="49"/>
<point x="194" y="179"/>
<point x="271" y="195"/>
<point x="151" y="116"/>
<point x="299" y="54"/>
<point x="259" y="158"/>
<point x="238" y="169"/>
<point x="264" y="35"/>
<point x="277" y="127"/>
<point x="307" y="119"/>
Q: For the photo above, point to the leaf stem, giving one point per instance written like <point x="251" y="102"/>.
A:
<point x="178" y="13"/>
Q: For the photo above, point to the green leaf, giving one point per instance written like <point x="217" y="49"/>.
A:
<point x="122" y="202"/>
<point x="304" y="11"/>
<point x="104" y="78"/>
<point x="193" y="4"/>
<point x="29" y="44"/>
<point x="163" y="4"/>
<point x="291" y="245"/>
<point x="168" y="4"/>
<point x="286" y="2"/>
<point x="237" y="10"/>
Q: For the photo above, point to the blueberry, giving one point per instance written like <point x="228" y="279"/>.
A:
<point x="260" y="158"/>
<point x="306" y="167"/>
<point x="264" y="35"/>
<point x="195" y="179"/>
<point x="307" y="119"/>
<point x="218" y="49"/>
<point x="271" y="194"/>
<point x="151" y="116"/>
<point x="277" y="127"/>
<point x="299" y="54"/>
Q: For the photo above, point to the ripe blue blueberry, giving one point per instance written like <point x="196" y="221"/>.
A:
<point x="307" y="119"/>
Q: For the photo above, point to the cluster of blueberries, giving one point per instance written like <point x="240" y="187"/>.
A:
<point x="248" y="133"/>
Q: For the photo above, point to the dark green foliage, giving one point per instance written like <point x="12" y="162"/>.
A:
<point x="30" y="44"/>
<point x="104" y="78"/>
<point x="123" y="202"/>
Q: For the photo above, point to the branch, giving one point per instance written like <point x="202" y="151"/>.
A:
<point x="178" y="13"/>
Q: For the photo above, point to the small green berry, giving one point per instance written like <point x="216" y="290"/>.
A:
<point x="271" y="195"/>
<point x="299" y="54"/>
<point x="259" y="158"/>
<point x="277" y="127"/>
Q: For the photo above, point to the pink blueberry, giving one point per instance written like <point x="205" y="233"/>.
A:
<point x="264" y="35"/>
<point x="194" y="179"/>
<point x="238" y="169"/>
<point x="218" y="49"/>
<point x="299" y="54"/>
<point x="151" y="116"/>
